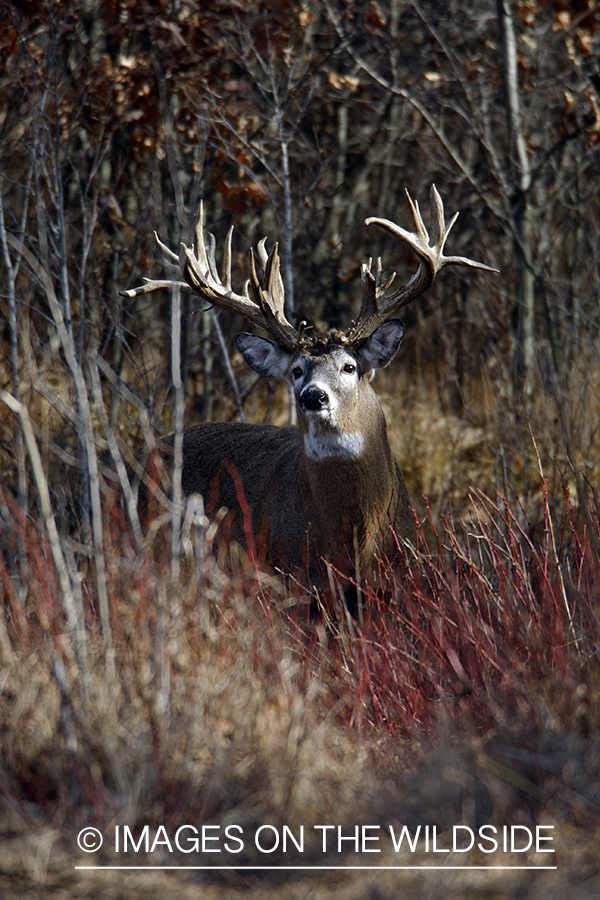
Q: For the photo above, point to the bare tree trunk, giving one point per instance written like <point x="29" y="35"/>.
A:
<point x="288" y="256"/>
<point x="288" y="273"/>
<point x="178" y="444"/>
<point x="521" y="211"/>
<point x="14" y="351"/>
<point x="207" y="365"/>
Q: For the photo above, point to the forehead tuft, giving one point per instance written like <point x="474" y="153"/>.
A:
<point x="318" y="344"/>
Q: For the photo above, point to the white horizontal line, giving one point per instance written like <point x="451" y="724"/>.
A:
<point x="310" y="868"/>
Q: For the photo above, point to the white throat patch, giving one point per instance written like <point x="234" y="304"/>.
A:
<point x="325" y="444"/>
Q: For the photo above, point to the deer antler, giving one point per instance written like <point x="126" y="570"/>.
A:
<point x="263" y="298"/>
<point x="376" y="307"/>
<point x="266" y="306"/>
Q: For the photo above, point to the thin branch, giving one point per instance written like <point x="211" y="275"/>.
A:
<point x="86" y="434"/>
<point x="70" y="588"/>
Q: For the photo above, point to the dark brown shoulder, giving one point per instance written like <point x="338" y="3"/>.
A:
<point x="232" y="433"/>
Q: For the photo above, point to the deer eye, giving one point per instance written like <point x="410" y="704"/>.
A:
<point x="349" y="368"/>
<point x="296" y="372"/>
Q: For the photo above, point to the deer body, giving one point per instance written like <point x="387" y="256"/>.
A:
<point x="300" y="508"/>
<point x="328" y="488"/>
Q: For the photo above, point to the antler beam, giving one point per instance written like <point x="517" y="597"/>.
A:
<point x="376" y="307"/>
<point x="263" y="298"/>
<point x="266" y="308"/>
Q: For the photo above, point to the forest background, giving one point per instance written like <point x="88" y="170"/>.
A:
<point x="146" y="679"/>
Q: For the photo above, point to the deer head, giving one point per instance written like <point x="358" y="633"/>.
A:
<point x="369" y="343"/>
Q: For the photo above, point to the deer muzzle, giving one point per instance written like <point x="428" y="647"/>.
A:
<point x="313" y="399"/>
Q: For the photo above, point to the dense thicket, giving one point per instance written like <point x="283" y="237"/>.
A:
<point x="297" y="121"/>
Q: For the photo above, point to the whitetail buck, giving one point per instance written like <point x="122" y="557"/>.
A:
<point x="328" y="488"/>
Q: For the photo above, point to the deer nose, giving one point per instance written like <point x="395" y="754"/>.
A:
<point x="313" y="399"/>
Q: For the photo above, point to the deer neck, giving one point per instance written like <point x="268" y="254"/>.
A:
<point x="349" y="470"/>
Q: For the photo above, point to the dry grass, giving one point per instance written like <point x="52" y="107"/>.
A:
<point x="470" y="694"/>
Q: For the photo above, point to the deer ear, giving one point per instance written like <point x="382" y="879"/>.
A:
<point x="380" y="348"/>
<point x="268" y="359"/>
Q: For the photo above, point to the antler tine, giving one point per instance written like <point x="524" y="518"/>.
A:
<point x="168" y="254"/>
<point x="270" y="296"/>
<point x="211" y="255"/>
<point x="198" y="266"/>
<point x="199" y="242"/>
<point x="226" y="276"/>
<point x="274" y="281"/>
<point x="262" y="252"/>
<point x="376" y="307"/>
<point x="373" y="286"/>
<point x="417" y="217"/>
